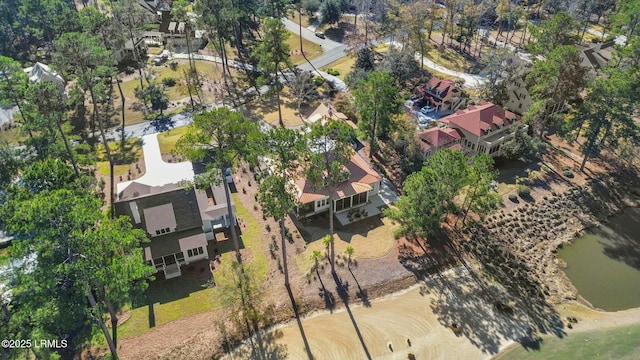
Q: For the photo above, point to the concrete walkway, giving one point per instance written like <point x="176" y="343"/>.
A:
<point x="158" y="172"/>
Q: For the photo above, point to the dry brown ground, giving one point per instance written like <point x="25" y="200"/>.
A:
<point x="196" y="337"/>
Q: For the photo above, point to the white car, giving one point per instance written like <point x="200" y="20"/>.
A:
<point x="427" y="109"/>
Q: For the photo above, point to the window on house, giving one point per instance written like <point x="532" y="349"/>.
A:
<point x="344" y="203"/>
<point x="157" y="232"/>
<point x="195" y="252"/>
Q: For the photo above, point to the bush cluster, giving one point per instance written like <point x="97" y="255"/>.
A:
<point x="524" y="191"/>
<point x="333" y="72"/>
<point x="169" y="82"/>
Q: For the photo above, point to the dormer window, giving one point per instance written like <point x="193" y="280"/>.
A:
<point x="163" y="231"/>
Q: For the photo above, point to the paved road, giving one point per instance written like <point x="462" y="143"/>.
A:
<point x="327" y="44"/>
<point x="326" y="58"/>
<point x="332" y="50"/>
<point x="470" y="80"/>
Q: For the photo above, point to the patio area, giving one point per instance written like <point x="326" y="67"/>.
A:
<point x="359" y="213"/>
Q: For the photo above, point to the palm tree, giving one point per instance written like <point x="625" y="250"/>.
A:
<point x="349" y="251"/>
<point x="327" y="242"/>
<point x="316" y="255"/>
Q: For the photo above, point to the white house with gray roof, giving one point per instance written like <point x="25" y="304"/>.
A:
<point x="180" y="221"/>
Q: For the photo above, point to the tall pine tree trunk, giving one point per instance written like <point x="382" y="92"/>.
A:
<point x="107" y="150"/>
<point x="187" y="78"/>
<point x="122" y="109"/>
<point x="231" y="215"/>
<point x="114" y="320"/>
<point x="284" y="253"/>
<point x="136" y="56"/>
<point x="68" y="148"/>
<point x="103" y="327"/>
<point x="331" y="233"/>
<point x="278" y="100"/>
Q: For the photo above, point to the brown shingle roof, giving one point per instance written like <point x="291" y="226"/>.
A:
<point x="326" y="111"/>
<point x="159" y="217"/>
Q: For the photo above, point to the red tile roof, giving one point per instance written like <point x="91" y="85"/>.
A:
<point x="444" y="86"/>
<point x="480" y="118"/>
<point x="361" y="178"/>
<point x="437" y="137"/>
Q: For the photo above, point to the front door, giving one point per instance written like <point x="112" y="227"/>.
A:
<point x="169" y="259"/>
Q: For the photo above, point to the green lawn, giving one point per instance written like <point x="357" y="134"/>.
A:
<point x="10" y="136"/>
<point x="185" y="296"/>
<point x="133" y="151"/>
<point x="617" y="343"/>
<point x="252" y="238"/>
<point x="344" y="66"/>
<point x="169" y="138"/>
<point x="4" y="256"/>
<point x="311" y="50"/>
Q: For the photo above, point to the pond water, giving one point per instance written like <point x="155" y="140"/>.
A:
<point x="604" y="265"/>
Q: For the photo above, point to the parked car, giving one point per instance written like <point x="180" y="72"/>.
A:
<point x="320" y="34"/>
<point x="161" y="58"/>
<point x="423" y="119"/>
<point x="419" y="103"/>
<point x="427" y="109"/>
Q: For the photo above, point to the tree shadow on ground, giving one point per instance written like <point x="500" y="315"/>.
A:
<point x="263" y="346"/>
<point x="338" y="33"/>
<point x="422" y="258"/>
<point x="326" y="294"/>
<point x="518" y="279"/>
<point x="299" y="321"/>
<point x="486" y="313"/>
<point x="361" y="294"/>
<point x="510" y="170"/>
<point x="315" y="227"/>
<point x="168" y="290"/>
<point x="475" y="308"/>
<point x="343" y="291"/>
<point x="623" y="244"/>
